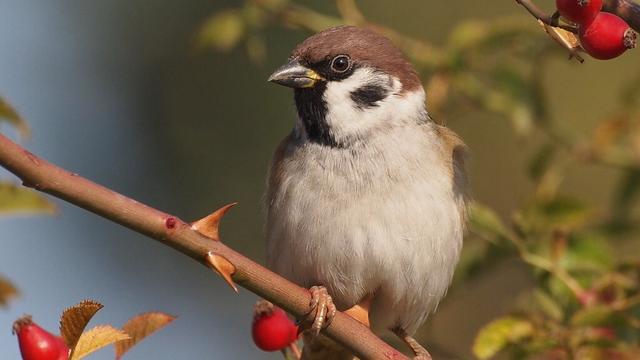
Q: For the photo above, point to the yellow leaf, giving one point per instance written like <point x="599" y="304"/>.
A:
<point x="9" y="114"/>
<point x="95" y="339"/>
<point x="496" y="335"/>
<point x="565" y="38"/>
<point x="7" y="291"/>
<point x="19" y="200"/>
<point x="222" y="31"/>
<point x="141" y="326"/>
<point x="75" y="319"/>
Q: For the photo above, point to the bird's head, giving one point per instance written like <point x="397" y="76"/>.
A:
<point x="351" y="83"/>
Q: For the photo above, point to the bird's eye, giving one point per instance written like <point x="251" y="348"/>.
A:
<point x="340" y="63"/>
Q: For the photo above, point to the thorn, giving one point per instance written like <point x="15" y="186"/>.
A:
<point x="208" y="225"/>
<point x="295" y="350"/>
<point x="223" y="267"/>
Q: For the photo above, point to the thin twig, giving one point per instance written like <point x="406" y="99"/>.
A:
<point x="549" y="19"/>
<point x="170" y="230"/>
<point x="348" y="10"/>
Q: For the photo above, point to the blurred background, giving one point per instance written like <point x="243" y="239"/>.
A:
<point x="127" y="94"/>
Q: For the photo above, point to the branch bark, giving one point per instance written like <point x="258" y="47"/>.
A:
<point x="549" y="19"/>
<point x="626" y="9"/>
<point x="170" y="230"/>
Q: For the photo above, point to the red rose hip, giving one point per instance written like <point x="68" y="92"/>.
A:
<point x="581" y="12"/>
<point x="272" y="330"/>
<point x="607" y="37"/>
<point x="38" y="344"/>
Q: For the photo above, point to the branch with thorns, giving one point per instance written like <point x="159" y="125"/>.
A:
<point x="199" y="240"/>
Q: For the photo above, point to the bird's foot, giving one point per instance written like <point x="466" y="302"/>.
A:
<point x="420" y="352"/>
<point x="321" y="310"/>
<point x="422" y="357"/>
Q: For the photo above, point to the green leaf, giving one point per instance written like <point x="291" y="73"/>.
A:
<point x="560" y="292"/>
<point x="522" y="119"/>
<point x="486" y="223"/>
<point x="496" y="335"/>
<point x="588" y="251"/>
<point x="467" y="35"/>
<point x="592" y="316"/>
<point x="10" y="115"/>
<point x="563" y="212"/>
<point x="541" y="161"/>
<point x="516" y="87"/>
<point x="626" y="193"/>
<point x="548" y="305"/>
<point x="222" y="31"/>
<point x="19" y="200"/>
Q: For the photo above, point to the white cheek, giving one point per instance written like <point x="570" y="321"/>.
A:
<point x="348" y="121"/>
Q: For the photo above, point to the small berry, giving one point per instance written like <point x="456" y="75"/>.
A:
<point x="587" y="297"/>
<point x="272" y="330"/>
<point x="581" y="12"/>
<point x="607" y="37"/>
<point x="38" y="344"/>
<point x="602" y="333"/>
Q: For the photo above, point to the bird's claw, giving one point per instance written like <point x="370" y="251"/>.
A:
<point x="321" y="309"/>
<point x="419" y="351"/>
<point x="422" y="357"/>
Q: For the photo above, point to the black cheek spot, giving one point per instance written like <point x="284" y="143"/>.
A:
<point x="369" y="95"/>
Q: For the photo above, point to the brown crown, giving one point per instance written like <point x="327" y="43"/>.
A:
<point x="364" y="46"/>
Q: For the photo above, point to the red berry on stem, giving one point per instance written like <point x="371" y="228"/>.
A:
<point x="607" y="37"/>
<point x="272" y="330"/>
<point x="38" y="344"/>
<point x="581" y="12"/>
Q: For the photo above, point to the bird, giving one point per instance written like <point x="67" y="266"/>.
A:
<point x="367" y="196"/>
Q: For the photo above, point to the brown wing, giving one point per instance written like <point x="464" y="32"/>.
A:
<point x="455" y="152"/>
<point x="276" y="169"/>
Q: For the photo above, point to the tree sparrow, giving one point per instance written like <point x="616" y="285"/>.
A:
<point x="366" y="196"/>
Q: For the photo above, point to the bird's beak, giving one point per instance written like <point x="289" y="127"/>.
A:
<point x="295" y="75"/>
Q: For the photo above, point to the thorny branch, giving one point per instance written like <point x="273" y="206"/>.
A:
<point x="174" y="232"/>
<point x="170" y="230"/>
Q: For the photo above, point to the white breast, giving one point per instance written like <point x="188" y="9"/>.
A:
<point x="381" y="217"/>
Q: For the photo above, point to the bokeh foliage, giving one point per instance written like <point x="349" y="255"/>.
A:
<point x="586" y="298"/>
<point x="15" y="199"/>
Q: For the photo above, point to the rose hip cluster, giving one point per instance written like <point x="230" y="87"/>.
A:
<point x="602" y="35"/>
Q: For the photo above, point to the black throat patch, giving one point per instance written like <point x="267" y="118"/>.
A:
<point x="312" y="110"/>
